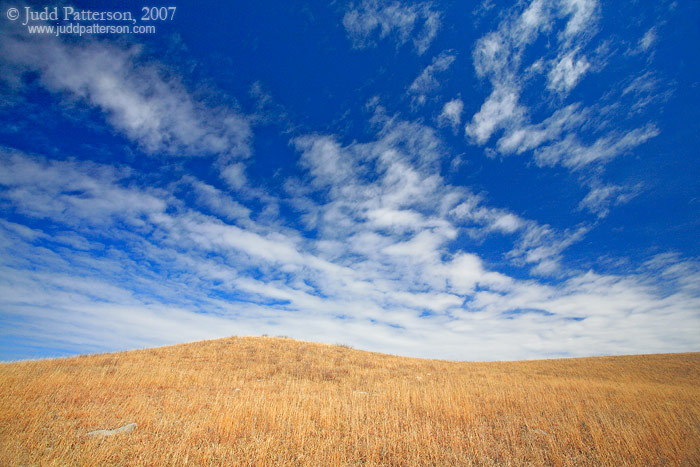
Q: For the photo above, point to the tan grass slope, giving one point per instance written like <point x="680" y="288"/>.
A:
<point x="273" y="401"/>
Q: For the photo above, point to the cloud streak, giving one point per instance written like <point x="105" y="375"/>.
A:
<point x="427" y="82"/>
<point x="581" y="137"/>
<point x="142" y="100"/>
<point x="417" y="22"/>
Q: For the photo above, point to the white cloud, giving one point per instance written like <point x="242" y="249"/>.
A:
<point x="500" y="110"/>
<point x="536" y="245"/>
<point x="574" y="135"/>
<point x="541" y="246"/>
<point x="490" y="219"/>
<point x="42" y="188"/>
<point x="601" y="197"/>
<point x="452" y="113"/>
<point x="219" y="202"/>
<point x="323" y="158"/>
<point x="527" y="137"/>
<point x="583" y="15"/>
<point x="567" y="72"/>
<point x="646" y="42"/>
<point x="387" y="279"/>
<point x="646" y="89"/>
<point x="575" y="155"/>
<point x="398" y="20"/>
<point x="140" y="99"/>
<point x="430" y="28"/>
<point x="234" y="175"/>
<point x="643" y="84"/>
<point x="427" y="82"/>
<point x="498" y="56"/>
<point x="402" y="197"/>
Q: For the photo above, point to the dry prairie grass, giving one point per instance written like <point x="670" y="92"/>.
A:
<point x="273" y="401"/>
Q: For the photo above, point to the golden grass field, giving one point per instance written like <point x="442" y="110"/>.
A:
<point x="275" y="401"/>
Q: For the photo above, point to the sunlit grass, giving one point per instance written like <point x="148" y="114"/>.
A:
<point x="273" y="401"/>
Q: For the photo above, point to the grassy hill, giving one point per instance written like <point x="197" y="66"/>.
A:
<point x="275" y="401"/>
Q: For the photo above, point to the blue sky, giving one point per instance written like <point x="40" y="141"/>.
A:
<point x="459" y="180"/>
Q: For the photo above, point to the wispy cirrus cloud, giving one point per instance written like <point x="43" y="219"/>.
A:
<point x="573" y="154"/>
<point x="500" y="110"/>
<point x="578" y="135"/>
<point x="498" y="56"/>
<point x="452" y="113"/>
<point x="139" y="98"/>
<point x="427" y="82"/>
<point x="417" y="22"/>
<point x="648" y="40"/>
<point x="602" y="197"/>
<point x="566" y="72"/>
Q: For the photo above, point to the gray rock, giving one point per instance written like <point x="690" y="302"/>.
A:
<point x="122" y="429"/>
